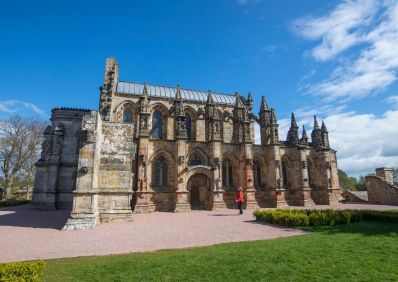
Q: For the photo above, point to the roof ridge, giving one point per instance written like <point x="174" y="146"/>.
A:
<point x="175" y="87"/>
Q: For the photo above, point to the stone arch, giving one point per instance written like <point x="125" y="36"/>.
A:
<point x="170" y="170"/>
<point x="286" y="171"/>
<point x="259" y="171"/>
<point x="120" y="111"/>
<point x="230" y="171"/>
<point x="191" y="123"/>
<point x="199" y="154"/>
<point x="120" y="108"/>
<point x="159" y="115"/>
<point x="199" y="187"/>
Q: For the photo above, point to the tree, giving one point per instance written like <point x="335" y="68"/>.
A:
<point x="395" y="175"/>
<point x="361" y="184"/>
<point x="346" y="182"/>
<point x="20" y="140"/>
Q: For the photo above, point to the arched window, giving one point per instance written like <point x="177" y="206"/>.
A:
<point x="284" y="175"/>
<point x="195" y="159"/>
<point x="160" y="173"/>
<point x="188" y="125"/>
<point x="227" y="174"/>
<point x="127" y="115"/>
<point x="157" y="125"/>
<point x="257" y="173"/>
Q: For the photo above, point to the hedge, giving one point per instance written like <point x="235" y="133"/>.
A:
<point x="302" y="218"/>
<point x="11" y="203"/>
<point x="22" y="271"/>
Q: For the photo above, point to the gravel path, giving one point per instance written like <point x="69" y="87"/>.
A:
<point x="27" y="234"/>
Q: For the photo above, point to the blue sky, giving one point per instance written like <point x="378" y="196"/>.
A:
<point x="336" y="59"/>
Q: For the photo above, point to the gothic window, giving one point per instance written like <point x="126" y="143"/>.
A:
<point x="285" y="175"/>
<point x="160" y="176"/>
<point x="227" y="174"/>
<point x="257" y="173"/>
<point x="188" y="125"/>
<point x="127" y="115"/>
<point x="195" y="159"/>
<point x="157" y="125"/>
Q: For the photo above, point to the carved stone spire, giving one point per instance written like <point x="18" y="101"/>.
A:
<point x="325" y="135"/>
<point x="180" y="126"/>
<point x="144" y="112"/>
<point x="274" y="131"/>
<point x="316" y="134"/>
<point x="304" y="138"/>
<point x="292" y="135"/>
<point x="212" y="119"/>
<point x="108" y="89"/>
<point x="249" y="102"/>
<point x="264" y="106"/>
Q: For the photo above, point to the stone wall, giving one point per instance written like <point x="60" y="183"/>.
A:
<point x="380" y="191"/>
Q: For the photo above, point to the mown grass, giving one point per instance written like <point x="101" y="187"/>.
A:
<point x="365" y="251"/>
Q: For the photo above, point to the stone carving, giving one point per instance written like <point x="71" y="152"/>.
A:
<point x="108" y="163"/>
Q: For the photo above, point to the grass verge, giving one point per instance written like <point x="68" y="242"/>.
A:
<point x="364" y="251"/>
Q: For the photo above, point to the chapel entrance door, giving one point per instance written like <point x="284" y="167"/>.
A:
<point x="198" y="187"/>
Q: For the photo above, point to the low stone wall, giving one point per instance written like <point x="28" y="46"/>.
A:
<point x="380" y="191"/>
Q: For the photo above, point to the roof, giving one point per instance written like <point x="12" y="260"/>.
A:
<point x="170" y="92"/>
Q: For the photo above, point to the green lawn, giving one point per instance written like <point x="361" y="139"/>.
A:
<point x="366" y="251"/>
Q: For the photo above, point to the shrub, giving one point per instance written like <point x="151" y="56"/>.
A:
<point x="22" y="271"/>
<point x="10" y="203"/>
<point x="302" y="218"/>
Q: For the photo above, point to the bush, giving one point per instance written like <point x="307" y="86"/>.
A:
<point x="10" y="203"/>
<point x="302" y="218"/>
<point x="22" y="271"/>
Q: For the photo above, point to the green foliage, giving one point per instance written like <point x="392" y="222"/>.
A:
<point x="346" y="182"/>
<point x="361" y="184"/>
<point x="22" y="271"/>
<point x="364" y="251"/>
<point x="10" y="203"/>
<point x="327" y="217"/>
<point x="395" y="175"/>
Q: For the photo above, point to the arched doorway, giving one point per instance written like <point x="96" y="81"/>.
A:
<point x="199" y="192"/>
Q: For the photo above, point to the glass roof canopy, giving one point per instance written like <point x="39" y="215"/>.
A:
<point x="170" y="92"/>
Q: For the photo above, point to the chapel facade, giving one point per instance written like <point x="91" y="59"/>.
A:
<point x="155" y="148"/>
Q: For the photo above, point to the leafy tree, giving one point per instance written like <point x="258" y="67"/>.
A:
<point x="395" y="175"/>
<point x="20" y="139"/>
<point x="361" y="184"/>
<point x="346" y="182"/>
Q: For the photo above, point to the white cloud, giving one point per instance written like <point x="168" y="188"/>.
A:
<point x="16" y="106"/>
<point x="339" y="30"/>
<point x="369" y="69"/>
<point x="364" y="141"/>
<point x="393" y="100"/>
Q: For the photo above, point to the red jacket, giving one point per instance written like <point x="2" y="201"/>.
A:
<point x="239" y="197"/>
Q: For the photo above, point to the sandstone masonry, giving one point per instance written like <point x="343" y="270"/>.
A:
<point x="155" y="148"/>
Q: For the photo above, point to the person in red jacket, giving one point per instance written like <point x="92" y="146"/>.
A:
<point x="240" y="199"/>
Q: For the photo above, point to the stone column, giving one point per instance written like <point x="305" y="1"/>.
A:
<point x="218" y="192"/>
<point x="274" y="193"/>
<point x="85" y="213"/>
<point x="304" y="193"/>
<point x="182" y="201"/>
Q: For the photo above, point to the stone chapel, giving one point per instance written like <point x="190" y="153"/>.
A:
<point x="156" y="148"/>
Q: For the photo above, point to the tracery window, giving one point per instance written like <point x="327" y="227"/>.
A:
<point x="227" y="174"/>
<point x="257" y="173"/>
<point x="160" y="173"/>
<point x="195" y="159"/>
<point x="127" y="115"/>
<point x="188" y="126"/>
<point x="157" y="125"/>
<point x="285" y="175"/>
